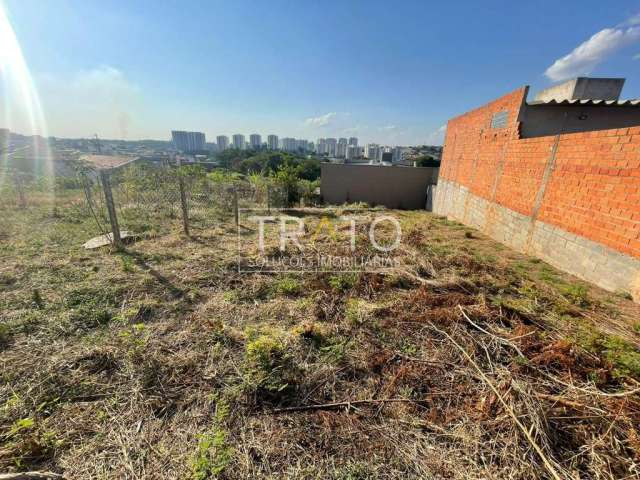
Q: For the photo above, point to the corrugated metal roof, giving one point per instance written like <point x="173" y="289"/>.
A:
<point x="607" y="103"/>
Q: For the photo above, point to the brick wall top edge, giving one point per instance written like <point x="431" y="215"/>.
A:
<point x="518" y="93"/>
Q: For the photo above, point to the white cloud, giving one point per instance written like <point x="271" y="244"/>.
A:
<point x="321" y="121"/>
<point x="586" y="56"/>
<point x="437" y="136"/>
<point x="634" y="20"/>
<point x="388" y="128"/>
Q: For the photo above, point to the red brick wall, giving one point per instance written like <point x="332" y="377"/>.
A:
<point x="593" y="190"/>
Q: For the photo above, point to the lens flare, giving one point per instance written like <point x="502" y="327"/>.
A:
<point x="21" y="104"/>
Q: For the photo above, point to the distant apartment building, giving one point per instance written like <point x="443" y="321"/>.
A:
<point x="238" y="141"/>
<point x="255" y="141"/>
<point x="272" y="142"/>
<point x="223" y="142"/>
<point x="188" y="141"/>
<point x="373" y="152"/>
<point x="321" y="146"/>
<point x="341" y="149"/>
<point x="353" y="152"/>
<point x="294" y="145"/>
<point x="353" y="141"/>
<point x="332" y="146"/>
<point x="398" y="155"/>
<point x="288" y="144"/>
<point x="303" y="145"/>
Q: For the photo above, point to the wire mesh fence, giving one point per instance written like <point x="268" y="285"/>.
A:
<point x="150" y="199"/>
<point x="157" y="199"/>
<point x="18" y="189"/>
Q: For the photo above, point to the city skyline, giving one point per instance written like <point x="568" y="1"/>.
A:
<point x="340" y="148"/>
<point x="393" y="85"/>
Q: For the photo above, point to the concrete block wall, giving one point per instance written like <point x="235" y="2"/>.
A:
<point x="394" y="187"/>
<point x="570" y="199"/>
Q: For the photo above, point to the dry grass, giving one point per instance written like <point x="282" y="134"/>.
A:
<point x="164" y="362"/>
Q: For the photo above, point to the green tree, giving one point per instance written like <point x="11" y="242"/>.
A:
<point x="427" y="161"/>
<point x="309" y="169"/>
<point x="232" y="158"/>
<point x="287" y="178"/>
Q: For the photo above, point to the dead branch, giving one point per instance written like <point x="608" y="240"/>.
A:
<point x="496" y="337"/>
<point x="586" y="390"/>
<point x="568" y="403"/>
<point x="527" y="433"/>
<point x="348" y="404"/>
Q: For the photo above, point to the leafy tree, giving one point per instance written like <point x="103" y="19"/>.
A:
<point x="223" y="176"/>
<point x="232" y="157"/>
<point x="272" y="162"/>
<point x="310" y="169"/>
<point x="427" y="161"/>
<point x="307" y="190"/>
<point x="287" y="178"/>
<point x="251" y="165"/>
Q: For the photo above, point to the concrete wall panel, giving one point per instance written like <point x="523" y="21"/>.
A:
<point x="393" y="187"/>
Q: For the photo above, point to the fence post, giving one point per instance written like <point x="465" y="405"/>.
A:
<point x="268" y="199"/>
<point x="111" y="208"/>
<point x="183" y="201"/>
<point x="236" y="213"/>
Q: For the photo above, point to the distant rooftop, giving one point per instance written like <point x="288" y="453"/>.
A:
<point x="108" y="161"/>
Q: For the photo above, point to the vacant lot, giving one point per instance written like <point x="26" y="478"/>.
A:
<point x="161" y="361"/>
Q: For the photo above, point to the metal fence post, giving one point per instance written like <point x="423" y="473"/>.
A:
<point x="268" y="199"/>
<point x="236" y="213"/>
<point x="183" y="201"/>
<point x="111" y="208"/>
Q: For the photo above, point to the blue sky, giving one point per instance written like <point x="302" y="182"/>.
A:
<point x="390" y="72"/>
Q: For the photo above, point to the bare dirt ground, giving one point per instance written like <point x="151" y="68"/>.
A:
<point x="162" y="361"/>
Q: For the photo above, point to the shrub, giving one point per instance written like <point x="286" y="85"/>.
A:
<point x="287" y="286"/>
<point x="343" y="281"/>
<point x="624" y="294"/>
<point x="268" y="367"/>
<point x="213" y="454"/>
<point x="623" y="355"/>
<point x="357" y="311"/>
<point x="576" y="294"/>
